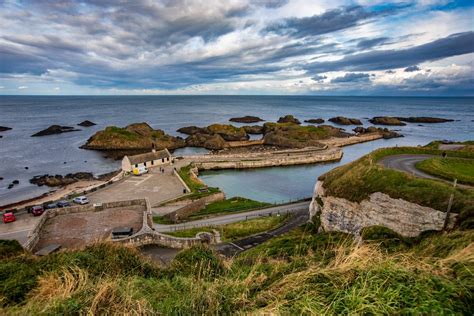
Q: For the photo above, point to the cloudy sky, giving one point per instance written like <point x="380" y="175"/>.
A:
<point x="327" y="47"/>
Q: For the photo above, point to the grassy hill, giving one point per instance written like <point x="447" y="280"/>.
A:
<point x="357" y="180"/>
<point x="297" y="273"/>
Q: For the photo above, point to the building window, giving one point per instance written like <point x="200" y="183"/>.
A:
<point x="152" y="162"/>
<point x="136" y="165"/>
<point x="167" y="159"/>
<point x="163" y="160"/>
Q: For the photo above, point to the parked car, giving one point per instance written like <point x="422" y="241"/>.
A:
<point x="63" y="203"/>
<point x="81" y="200"/>
<point x="8" y="217"/>
<point x="138" y="171"/>
<point x="37" y="210"/>
<point x="51" y="206"/>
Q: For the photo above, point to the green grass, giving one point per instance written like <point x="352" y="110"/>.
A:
<point x="158" y="219"/>
<point x="232" y="205"/>
<point x="449" y="168"/>
<point x="357" y="180"/>
<point x="120" y="132"/>
<point x="234" y="231"/>
<point x="194" y="185"/>
<point x="297" y="273"/>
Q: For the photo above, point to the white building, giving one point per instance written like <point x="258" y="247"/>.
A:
<point x="151" y="159"/>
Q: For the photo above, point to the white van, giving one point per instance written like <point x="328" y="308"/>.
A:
<point x="81" y="200"/>
<point x="138" y="171"/>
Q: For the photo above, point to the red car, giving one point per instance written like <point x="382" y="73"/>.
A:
<point x="8" y="217"/>
<point x="37" y="210"/>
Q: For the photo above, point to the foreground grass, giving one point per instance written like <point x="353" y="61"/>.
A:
<point x="357" y="180"/>
<point x="232" y="205"/>
<point x="449" y="168"/>
<point x="237" y="230"/>
<point x="298" y="273"/>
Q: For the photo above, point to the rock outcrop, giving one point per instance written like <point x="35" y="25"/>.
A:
<point x="386" y="133"/>
<point x="341" y="120"/>
<point x="228" y="132"/>
<point x="295" y="136"/>
<point x="315" y="121"/>
<point x="386" y="120"/>
<point x="406" y="218"/>
<point x="253" y="129"/>
<point x="191" y="130"/>
<point x="4" y="128"/>
<point x="55" y="129"/>
<point x="289" y="119"/>
<point x="59" y="180"/>
<point x="424" y="119"/>
<point x="138" y="136"/>
<point x="86" y="123"/>
<point x="212" y="142"/>
<point x="246" y="119"/>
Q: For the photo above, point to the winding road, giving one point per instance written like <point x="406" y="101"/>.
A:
<point x="407" y="163"/>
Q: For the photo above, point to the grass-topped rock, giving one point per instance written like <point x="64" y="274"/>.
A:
<point x="289" y="135"/>
<point x="357" y="180"/>
<point x="386" y="120"/>
<point x="138" y="136"/>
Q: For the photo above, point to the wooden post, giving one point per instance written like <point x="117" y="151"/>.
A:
<point x="450" y="204"/>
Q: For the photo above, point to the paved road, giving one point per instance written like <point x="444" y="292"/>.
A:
<point x="406" y="163"/>
<point x="232" y="218"/>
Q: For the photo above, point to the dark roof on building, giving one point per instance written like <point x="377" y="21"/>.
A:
<point x="149" y="156"/>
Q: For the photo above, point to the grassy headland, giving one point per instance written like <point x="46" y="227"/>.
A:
<point x="232" y="205"/>
<point x="297" y="273"/>
<point x="357" y="180"/>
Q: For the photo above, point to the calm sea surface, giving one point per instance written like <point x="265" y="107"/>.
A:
<point x="60" y="154"/>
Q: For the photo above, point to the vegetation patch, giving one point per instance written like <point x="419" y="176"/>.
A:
<point x="297" y="273"/>
<point x="357" y="180"/>
<point x="232" y="205"/>
<point x="197" y="187"/>
<point x="449" y="168"/>
<point x="237" y="230"/>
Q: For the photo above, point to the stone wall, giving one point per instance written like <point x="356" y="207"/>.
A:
<point x="406" y="218"/>
<point x="155" y="238"/>
<point x="271" y="160"/>
<point x="193" y="207"/>
<point x="351" y="140"/>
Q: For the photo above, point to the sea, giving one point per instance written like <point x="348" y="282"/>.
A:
<point x="23" y="157"/>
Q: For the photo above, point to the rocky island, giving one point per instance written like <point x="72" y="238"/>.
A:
<point x="86" y="123"/>
<point x="134" y="138"/>
<point x="315" y="121"/>
<point x="246" y="119"/>
<point x="386" y="120"/>
<point x="424" y="119"/>
<point x="4" y="128"/>
<point x="55" y="129"/>
<point x="288" y="119"/>
<point x="341" y="120"/>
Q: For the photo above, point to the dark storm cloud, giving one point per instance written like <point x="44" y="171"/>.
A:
<point x="412" y="68"/>
<point x="330" y="21"/>
<point x="369" y="43"/>
<point x="453" y="45"/>
<point x="352" y="77"/>
<point x="319" y="78"/>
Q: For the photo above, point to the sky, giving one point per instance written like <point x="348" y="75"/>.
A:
<point x="302" y="47"/>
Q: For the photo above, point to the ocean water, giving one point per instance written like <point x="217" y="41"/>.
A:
<point x="60" y="154"/>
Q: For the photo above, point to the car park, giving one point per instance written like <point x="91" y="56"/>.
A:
<point x="8" y="217"/>
<point x="81" y="200"/>
<point x="37" y="210"/>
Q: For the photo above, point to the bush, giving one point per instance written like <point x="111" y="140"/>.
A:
<point x="10" y="248"/>
<point x="17" y="278"/>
